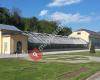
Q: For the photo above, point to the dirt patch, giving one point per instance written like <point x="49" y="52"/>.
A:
<point x="72" y="74"/>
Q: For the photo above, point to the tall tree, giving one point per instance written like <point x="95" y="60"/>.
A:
<point x="33" y="23"/>
<point x="26" y="22"/>
<point x="4" y="15"/>
<point x="16" y="19"/>
<point x="47" y="26"/>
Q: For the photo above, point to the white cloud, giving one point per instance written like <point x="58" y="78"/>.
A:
<point x="62" y="2"/>
<point x="69" y="18"/>
<point x="43" y="12"/>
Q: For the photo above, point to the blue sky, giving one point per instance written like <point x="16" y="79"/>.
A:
<point x="73" y="13"/>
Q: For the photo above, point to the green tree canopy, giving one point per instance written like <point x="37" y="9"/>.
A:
<point x="4" y="15"/>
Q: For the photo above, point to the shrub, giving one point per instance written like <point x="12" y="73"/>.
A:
<point x="91" y="47"/>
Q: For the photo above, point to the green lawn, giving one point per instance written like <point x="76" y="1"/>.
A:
<point x="17" y="69"/>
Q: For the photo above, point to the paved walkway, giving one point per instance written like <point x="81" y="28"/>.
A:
<point x="90" y="58"/>
<point x="96" y="76"/>
<point x="71" y="59"/>
<point x="60" y="52"/>
<point x="44" y="53"/>
<point x="13" y="55"/>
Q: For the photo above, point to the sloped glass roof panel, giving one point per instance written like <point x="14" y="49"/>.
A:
<point x="37" y="38"/>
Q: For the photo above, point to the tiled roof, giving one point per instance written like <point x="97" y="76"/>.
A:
<point x="8" y="27"/>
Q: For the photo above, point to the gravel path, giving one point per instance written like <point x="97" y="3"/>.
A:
<point x="90" y="58"/>
<point x="60" y="52"/>
<point x="74" y="59"/>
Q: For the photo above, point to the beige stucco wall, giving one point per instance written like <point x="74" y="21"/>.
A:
<point x="84" y="35"/>
<point x="6" y="50"/>
<point x="11" y="41"/>
<point x="21" y="38"/>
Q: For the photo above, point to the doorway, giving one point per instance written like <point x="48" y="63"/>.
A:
<point x="19" y="47"/>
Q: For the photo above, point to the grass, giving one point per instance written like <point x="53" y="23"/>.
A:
<point x="17" y="69"/>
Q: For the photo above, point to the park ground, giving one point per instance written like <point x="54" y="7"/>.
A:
<point x="50" y="67"/>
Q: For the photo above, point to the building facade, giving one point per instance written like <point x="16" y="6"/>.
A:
<point x="12" y="40"/>
<point x="88" y="36"/>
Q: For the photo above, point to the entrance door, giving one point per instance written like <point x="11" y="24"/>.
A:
<point x="19" y="47"/>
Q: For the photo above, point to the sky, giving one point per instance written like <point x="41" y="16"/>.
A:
<point x="72" y="13"/>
